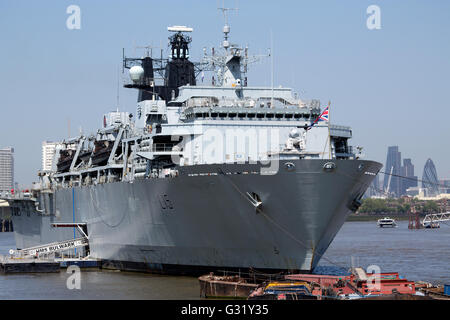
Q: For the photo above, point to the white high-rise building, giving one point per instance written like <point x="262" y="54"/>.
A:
<point x="6" y="169"/>
<point x="48" y="152"/>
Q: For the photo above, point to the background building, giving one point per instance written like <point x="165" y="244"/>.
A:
<point x="391" y="181"/>
<point x="430" y="180"/>
<point x="398" y="178"/>
<point x="48" y="151"/>
<point x="409" y="180"/>
<point x="374" y="190"/>
<point x="444" y="186"/>
<point x="6" y="169"/>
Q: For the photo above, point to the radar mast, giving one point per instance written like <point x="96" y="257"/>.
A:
<point x="231" y="66"/>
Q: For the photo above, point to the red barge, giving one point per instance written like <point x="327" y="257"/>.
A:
<point x="358" y="284"/>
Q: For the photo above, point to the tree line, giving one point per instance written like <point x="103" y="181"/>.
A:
<point x="398" y="206"/>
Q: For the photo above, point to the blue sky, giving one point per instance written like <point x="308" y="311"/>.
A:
<point x="390" y="85"/>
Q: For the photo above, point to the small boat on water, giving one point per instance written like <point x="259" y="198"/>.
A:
<point x="431" y="225"/>
<point x="386" y="223"/>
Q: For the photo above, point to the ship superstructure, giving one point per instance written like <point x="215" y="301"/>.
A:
<point x="218" y="176"/>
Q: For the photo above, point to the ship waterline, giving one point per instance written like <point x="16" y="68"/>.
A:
<point x="203" y="219"/>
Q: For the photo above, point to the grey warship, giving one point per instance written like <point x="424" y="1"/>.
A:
<point x="223" y="176"/>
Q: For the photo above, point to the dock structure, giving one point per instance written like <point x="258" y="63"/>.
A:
<point x="29" y="265"/>
<point x="83" y="263"/>
<point x="414" y="219"/>
<point x="44" y="258"/>
<point x="212" y="286"/>
<point x="10" y="265"/>
<point x="433" y="218"/>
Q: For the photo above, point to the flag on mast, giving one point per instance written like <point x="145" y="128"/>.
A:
<point x="322" y="117"/>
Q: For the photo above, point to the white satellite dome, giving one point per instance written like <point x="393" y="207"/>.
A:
<point x="294" y="133"/>
<point x="136" y="73"/>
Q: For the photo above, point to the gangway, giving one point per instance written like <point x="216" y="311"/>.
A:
<point x="50" y="248"/>
<point x="59" y="246"/>
<point x="435" y="218"/>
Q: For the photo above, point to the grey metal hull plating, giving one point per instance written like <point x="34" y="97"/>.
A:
<point x="207" y="220"/>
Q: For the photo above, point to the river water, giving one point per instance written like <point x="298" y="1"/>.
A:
<point x="415" y="254"/>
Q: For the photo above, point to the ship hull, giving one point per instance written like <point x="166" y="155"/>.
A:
<point x="203" y="219"/>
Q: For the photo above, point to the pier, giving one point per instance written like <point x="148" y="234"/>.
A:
<point x="435" y="218"/>
<point x="30" y="265"/>
<point x="10" y="265"/>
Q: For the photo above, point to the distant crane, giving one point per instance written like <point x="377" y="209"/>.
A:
<point x="389" y="181"/>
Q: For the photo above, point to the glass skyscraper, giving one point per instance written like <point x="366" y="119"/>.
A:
<point x="409" y="180"/>
<point x="391" y="181"/>
<point x="430" y="179"/>
<point x="398" y="178"/>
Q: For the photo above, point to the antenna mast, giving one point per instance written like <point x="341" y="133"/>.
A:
<point x="271" y="68"/>
<point x="118" y="76"/>
<point x="231" y="66"/>
<point x="226" y="27"/>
